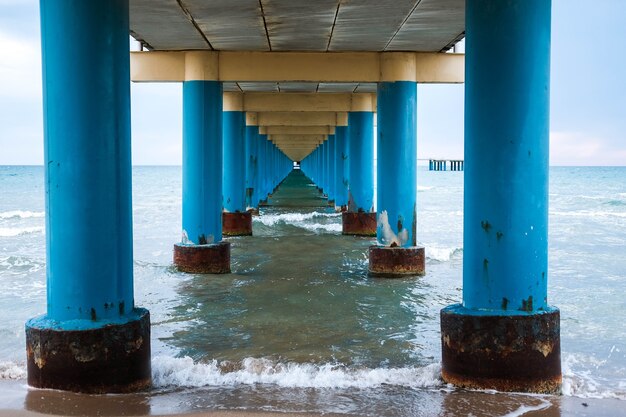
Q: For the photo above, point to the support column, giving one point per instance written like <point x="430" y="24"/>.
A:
<point x="331" y="170"/>
<point x="505" y="335"/>
<point x="252" y="139"/>
<point x="360" y="219"/>
<point x="202" y="250"/>
<point x="92" y="338"/>
<point x="341" y="155"/>
<point x="397" y="254"/>
<point x="236" y="221"/>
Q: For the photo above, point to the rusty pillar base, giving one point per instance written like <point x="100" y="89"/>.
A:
<point x="396" y="262"/>
<point x="358" y="224"/>
<point x="253" y="211"/>
<point x="520" y="353"/>
<point x="203" y="259"/>
<point x="114" y="358"/>
<point x="237" y="224"/>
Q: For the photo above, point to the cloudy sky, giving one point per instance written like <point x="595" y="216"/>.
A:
<point x="588" y="94"/>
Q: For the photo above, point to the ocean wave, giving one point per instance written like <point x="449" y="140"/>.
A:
<point x="184" y="372"/>
<point x="19" y="214"/>
<point x="291" y="218"/>
<point x="588" y="213"/>
<point x="12" y="370"/>
<point x="18" y="231"/>
<point x="441" y="254"/>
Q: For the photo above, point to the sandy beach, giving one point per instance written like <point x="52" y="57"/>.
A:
<point x="17" y="400"/>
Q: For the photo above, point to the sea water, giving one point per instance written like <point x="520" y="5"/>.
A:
<point x="299" y="326"/>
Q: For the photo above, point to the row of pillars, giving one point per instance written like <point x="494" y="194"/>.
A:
<point x="503" y="335"/>
<point x="442" y="165"/>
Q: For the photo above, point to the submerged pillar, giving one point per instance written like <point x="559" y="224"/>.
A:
<point x="92" y="338"/>
<point x="236" y="220"/>
<point x="202" y="250"/>
<point x="505" y="335"/>
<point x="397" y="254"/>
<point x="360" y="219"/>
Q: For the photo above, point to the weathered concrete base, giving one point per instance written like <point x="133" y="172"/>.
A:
<point x="109" y="359"/>
<point x="358" y="224"/>
<point x="203" y="259"/>
<point x="237" y="224"/>
<point x="519" y="353"/>
<point x="396" y="262"/>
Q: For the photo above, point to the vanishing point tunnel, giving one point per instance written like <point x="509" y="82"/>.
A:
<point x="268" y="83"/>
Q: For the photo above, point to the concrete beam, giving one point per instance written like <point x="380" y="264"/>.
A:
<point x="297" y="139"/>
<point x="422" y="67"/>
<point x="297" y="130"/>
<point x="309" y="102"/>
<point x="301" y="118"/>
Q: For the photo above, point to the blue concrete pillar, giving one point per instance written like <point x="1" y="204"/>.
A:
<point x="331" y="168"/>
<point x="202" y="162"/>
<point x="201" y="249"/>
<point x="397" y="163"/>
<point x="396" y="170"/>
<point x="87" y="153"/>
<point x="234" y="178"/>
<point x="361" y="151"/>
<point x="341" y="155"/>
<point x="360" y="219"/>
<point x="252" y="133"/>
<point x="505" y="260"/>
<point x="236" y="220"/>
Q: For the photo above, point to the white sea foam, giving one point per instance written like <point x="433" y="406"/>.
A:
<point x="589" y="213"/>
<point x="17" y="231"/>
<point x="441" y="254"/>
<point x="168" y="371"/>
<point x="528" y="408"/>
<point x="19" y="214"/>
<point x="291" y="218"/>
<point x="581" y="383"/>
<point x="315" y="227"/>
<point x="11" y="370"/>
<point x="424" y="188"/>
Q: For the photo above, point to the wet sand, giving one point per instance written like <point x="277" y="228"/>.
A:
<point x="17" y="400"/>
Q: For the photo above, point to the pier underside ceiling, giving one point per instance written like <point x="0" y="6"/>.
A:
<point x="298" y="50"/>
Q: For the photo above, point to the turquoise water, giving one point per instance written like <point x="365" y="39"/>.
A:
<point x="299" y="325"/>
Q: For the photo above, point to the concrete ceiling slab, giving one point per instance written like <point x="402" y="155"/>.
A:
<point x="298" y="25"/>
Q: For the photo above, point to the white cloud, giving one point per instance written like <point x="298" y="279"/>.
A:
<point x="578" y="148"/>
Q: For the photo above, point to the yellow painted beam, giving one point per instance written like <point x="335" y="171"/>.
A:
<point x="308" y="102"/>
<point x="349" y="67"/>
<point x="295" y="130"/>
<point x="297" y="138"/>
<point x="297" y="118"/>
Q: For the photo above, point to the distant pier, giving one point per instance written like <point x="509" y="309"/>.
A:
<point x="442" y="164"/>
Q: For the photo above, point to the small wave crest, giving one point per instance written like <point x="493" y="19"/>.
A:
<point x="168" y="371"/>
<point x="292" y="218"/>
<point x="19" y="214"/>
<point x="441" y="254"/>
<point x="11" y="370"/>
<point x="18" y="231"/>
